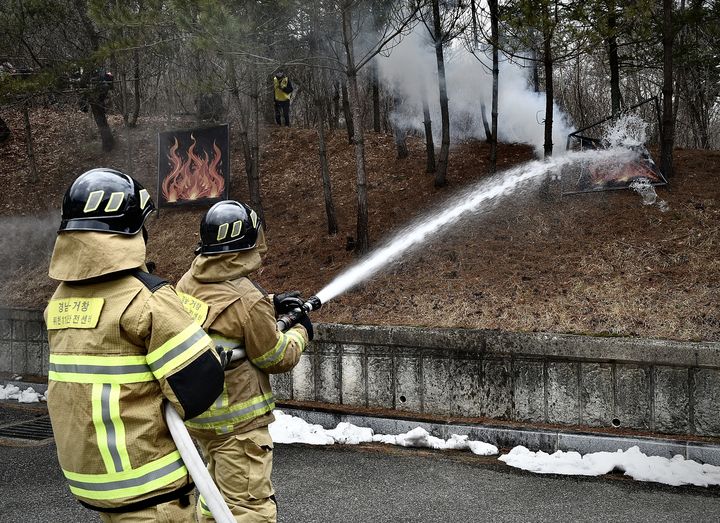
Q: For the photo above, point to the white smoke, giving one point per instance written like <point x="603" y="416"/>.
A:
<point x="411" y="67"/>
<point x="26" y="240"/>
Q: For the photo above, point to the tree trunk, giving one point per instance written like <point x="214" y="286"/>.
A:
<point x="325" y="171"/>
<point x="614" y="60"/>
<point x="494" y="32"/>
<point x="29" y="143"/>
<point x="242" y="121"/>
<point x="122" y="97"/>
<point x="535" y="71"/>
<point x="473" y="13"/>
<point x="362" y="241"/>
<point x="430" y="165"/>
<point x="320" y="101"/>
<point x="668" y="127"/>
<point x="349" y="125"/>
<point x="5" y="131"/>
<point x="96" y="94"/>
<point x="335" y="113"/>
<point x="136" y="84"/>
<point x="486" y="125"/>
<point x="254" y="175"/>
<point x="549" y="91"/>
<point x="400" y="134"/>
<point x="441" y="172"/>
<point x="375" y="97"/>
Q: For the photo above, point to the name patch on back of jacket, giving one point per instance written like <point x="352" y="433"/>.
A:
<point x="74" y="313"/>
<point x="198" y="309"/>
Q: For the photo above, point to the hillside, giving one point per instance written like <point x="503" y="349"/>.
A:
<point x="598" y="264"/>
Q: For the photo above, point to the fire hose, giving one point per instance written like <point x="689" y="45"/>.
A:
<point x="188" y="452"/>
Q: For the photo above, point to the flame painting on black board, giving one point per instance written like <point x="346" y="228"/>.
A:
<point x="193" y="166"/>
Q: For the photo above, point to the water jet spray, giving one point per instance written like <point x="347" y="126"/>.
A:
<point x="469" y="201"/>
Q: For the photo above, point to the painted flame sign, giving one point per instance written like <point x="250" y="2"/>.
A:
<point x="195" y="177"/>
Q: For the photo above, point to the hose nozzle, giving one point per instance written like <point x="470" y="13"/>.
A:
<point x="313" y="303"/>
<point x="289" y="319"/>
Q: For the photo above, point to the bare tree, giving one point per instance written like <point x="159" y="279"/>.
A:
<point x="399" y="21"/>
<point x="443" y="28"/>
<point x="668" y="123"/>
<point x="442" y="165"/>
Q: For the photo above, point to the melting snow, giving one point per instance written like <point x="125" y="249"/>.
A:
<point x="676" y="471"/>
<point x="13" y="392"/>
<point x="290" y="429"/>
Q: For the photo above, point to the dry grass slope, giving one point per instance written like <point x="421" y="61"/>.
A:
<point x="594" y="264"/>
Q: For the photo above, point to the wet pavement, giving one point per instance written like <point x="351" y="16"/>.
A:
<point x="372" y="483"/>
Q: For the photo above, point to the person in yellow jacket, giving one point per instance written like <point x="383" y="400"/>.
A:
<point x="121" y="344"/>
<point x="240" y="317"/>
<point x="283" y="88"/>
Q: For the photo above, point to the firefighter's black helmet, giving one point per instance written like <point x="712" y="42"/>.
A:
<point x="105" y="200"/>
<point x="228" y="226"/>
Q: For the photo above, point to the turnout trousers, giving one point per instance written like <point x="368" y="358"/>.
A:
<point x="241" y="465"/>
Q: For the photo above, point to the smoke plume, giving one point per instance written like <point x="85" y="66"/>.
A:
<point x="411" y="69"/>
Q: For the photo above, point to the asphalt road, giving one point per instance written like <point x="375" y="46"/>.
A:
<point x="376" y="483"/>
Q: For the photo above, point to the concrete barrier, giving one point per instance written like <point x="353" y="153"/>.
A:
<point x="648" y="385"/>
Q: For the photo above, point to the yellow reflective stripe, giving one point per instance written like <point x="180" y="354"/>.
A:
<point x="204" y="509"/>
<point x="222" y="402"/>
<point x="100" y="430"/>
<point x="274" y="355"/>
<point x="148" y="478"/>
<point x="219" y="418"/>
<point x="109" y="428"/>
<point x="177" y="350"/>
<point x="295" y="335"/>
<point x="87" y="359"/>
<point x="277" y="353"/>
<point x="117" y="421"/>
<point x="123" y="379"/>
<point x="99" y="369"/>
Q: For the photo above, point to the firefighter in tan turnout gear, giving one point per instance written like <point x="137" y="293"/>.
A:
<point x="240" y="317"/>
<point x="121" y="343"/>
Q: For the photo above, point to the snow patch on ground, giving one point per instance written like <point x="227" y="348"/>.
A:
<point x="290" y="429"/>
<point x="13" y="392"/>
<point x="676" y="471"/>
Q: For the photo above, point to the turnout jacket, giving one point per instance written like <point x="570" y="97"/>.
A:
<point x="282" y="93"/>
<point x="120" y="345"/>
<point x="239" y="314"/>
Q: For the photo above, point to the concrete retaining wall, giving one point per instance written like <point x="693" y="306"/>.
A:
<point x="23" y="342"/>
<point x="651" y="385"/>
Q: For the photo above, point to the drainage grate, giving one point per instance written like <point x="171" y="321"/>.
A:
<point x="36" y="429"/>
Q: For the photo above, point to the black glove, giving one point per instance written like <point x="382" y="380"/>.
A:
<point x="286" y="301"/>
<point x="305" y="322"/>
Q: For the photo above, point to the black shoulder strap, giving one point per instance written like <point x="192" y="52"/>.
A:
<point x="150" y="281"/>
